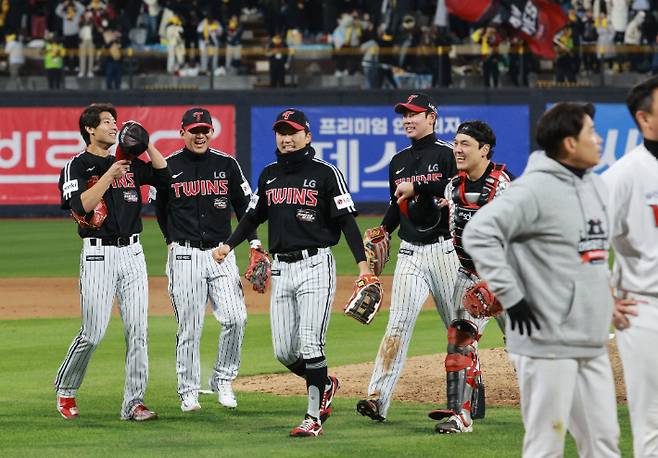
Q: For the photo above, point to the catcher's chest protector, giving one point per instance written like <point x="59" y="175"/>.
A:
<point x="464" y="210"/>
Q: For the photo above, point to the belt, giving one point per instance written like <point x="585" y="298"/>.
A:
<point x="200" y="244"/>
<point x="114" y="241"/>
<point x="437" y="239"/>
<point x="294" y="256"/>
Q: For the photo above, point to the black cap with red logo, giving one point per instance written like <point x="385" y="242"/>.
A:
<point x="294" y="118"/>
<point x="195" y="117"/>
<point x="417" y="103"/>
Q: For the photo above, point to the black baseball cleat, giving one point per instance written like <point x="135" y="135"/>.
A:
<point x="369" y="408"/>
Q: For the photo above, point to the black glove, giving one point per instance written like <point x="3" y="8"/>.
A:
<point x="521" y="314"/>
<point x="133" y="140"/>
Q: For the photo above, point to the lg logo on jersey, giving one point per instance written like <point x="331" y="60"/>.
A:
<point x="203" y="187"/>
<point x="433" y="168"/>
<point x="309" y="183"/>
<point x="219" y="175"/>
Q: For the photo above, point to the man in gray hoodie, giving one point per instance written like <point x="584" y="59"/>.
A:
<point x="542" y="247"/>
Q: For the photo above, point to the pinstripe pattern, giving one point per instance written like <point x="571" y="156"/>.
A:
<point x="300" y="306"/>
<point x="420" y="270"/>
<point x="121" y="273"/>
<point x="195" y="278"/>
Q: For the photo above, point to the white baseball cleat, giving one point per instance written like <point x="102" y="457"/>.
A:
<point x="190" y="403"/>
<point x="226" y="396"/>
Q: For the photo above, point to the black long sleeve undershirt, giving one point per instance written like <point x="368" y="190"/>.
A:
<point x="352" y="236"/>
<point x="246" y="229"/>
<point x="391" y="219"/>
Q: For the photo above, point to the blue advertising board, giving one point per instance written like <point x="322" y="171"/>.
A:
<point x="361" y="140"/>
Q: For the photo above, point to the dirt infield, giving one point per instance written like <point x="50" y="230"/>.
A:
<point x="423" y="379"/>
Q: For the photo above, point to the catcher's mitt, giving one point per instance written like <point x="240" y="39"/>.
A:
<point x="259" y="270"/>
<point x="133" y="140"/>
<point x="366" y="299"/>
<point x="480" y="302"/>
<point x="95" y="219"/>
<point x="377" y="245"/>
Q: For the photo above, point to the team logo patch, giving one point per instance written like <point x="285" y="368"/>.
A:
<point x="130" y="196"/>
<point x="305" y="215"/>
<point x="406" y="252"/>
<point x="246" y="188"/>
<point x="95" y="257"/>
<point x="183" y="257"/>
<point x="253" y="201"/>
<point x="220" y="203"/>
<point x="70" y="187"/>
<point x="593" y="247"/>
<point x="343" y="201"/>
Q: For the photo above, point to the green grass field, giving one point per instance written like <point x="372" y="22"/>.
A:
<point x="33" y="349"/>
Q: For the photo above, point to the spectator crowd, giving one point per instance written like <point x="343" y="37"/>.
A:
<point x="389" y="42"/>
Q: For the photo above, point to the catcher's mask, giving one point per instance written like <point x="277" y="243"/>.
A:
<point x="423" y="211"/>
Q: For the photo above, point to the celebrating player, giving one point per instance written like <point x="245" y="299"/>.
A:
<point x="194" y="223"/>
<point x="307" y="203"/>
<point x="95" y="185"/>
<point x="542" y="246"/>
<point x="633" y="205"/>
<point x="479" y="181"/>
<point x="427" y="262"/>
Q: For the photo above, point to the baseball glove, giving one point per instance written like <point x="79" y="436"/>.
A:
<point x="480" y="302"/>
<point x="96" y="217"/>
<point x="133" y="140"/>
<point x="366" y="299"/>
<point x="259" y="270"/>
<point x="377" y="245"/>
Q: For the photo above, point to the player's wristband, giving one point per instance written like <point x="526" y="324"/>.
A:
<point x="255" y="243"/>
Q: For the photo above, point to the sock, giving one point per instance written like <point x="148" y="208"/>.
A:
<point x="316" y="378"/>
<point x="298" y="368"/>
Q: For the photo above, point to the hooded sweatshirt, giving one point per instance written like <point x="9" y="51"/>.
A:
<point x="546" y="240"/>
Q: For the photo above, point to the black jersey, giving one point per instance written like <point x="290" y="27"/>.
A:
<point x="429" y="164"/>
<point x="196" y="206"/>
<point x="123" y="198"/>
<point x="466" y="197"/>
<point x="301" y="197"/>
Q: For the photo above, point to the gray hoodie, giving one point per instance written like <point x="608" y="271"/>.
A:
<point x="546" y="240"/>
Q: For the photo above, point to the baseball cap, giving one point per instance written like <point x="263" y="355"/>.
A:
<point x="294" y="118"/>
<point x="195" y="117"/>
<point x="418" y="103"/>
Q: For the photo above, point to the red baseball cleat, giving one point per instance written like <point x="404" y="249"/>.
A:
<point x="327" y="397"/>
<point x="67" y="408"/>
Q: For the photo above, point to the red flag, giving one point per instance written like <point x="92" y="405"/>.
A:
<point x="537" y="24"/>
<point x="472" y="10"/>
<point x="535" y="21"/>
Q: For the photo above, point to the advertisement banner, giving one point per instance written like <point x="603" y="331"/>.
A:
<point x="36" y="143"/>
<point x="361" y="140"/>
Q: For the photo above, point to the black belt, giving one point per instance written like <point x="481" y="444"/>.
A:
<point x="200" y="244"/>
<point x="437" y="239"/>
<point x="294" y="256"/>
<point x="114" y="241"/>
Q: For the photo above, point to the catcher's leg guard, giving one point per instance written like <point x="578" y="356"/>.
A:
<point x="462" y="369"/>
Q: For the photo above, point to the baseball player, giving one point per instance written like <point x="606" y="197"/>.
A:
<point x="307" y="204"/>
<point x="427" y="262"/>
<point x="194" y="214"/>
<point x="633" y="206"/>
<point x="112" y="260"/>
<point x="479" y="181"/>
<point x="542" y="246"/>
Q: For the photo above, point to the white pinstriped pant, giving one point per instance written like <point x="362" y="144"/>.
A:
<point x="195" y="278"/>
<point x="300" y="306"/>
<point x="106" y="272"/>
<point x="420" y="270"/>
